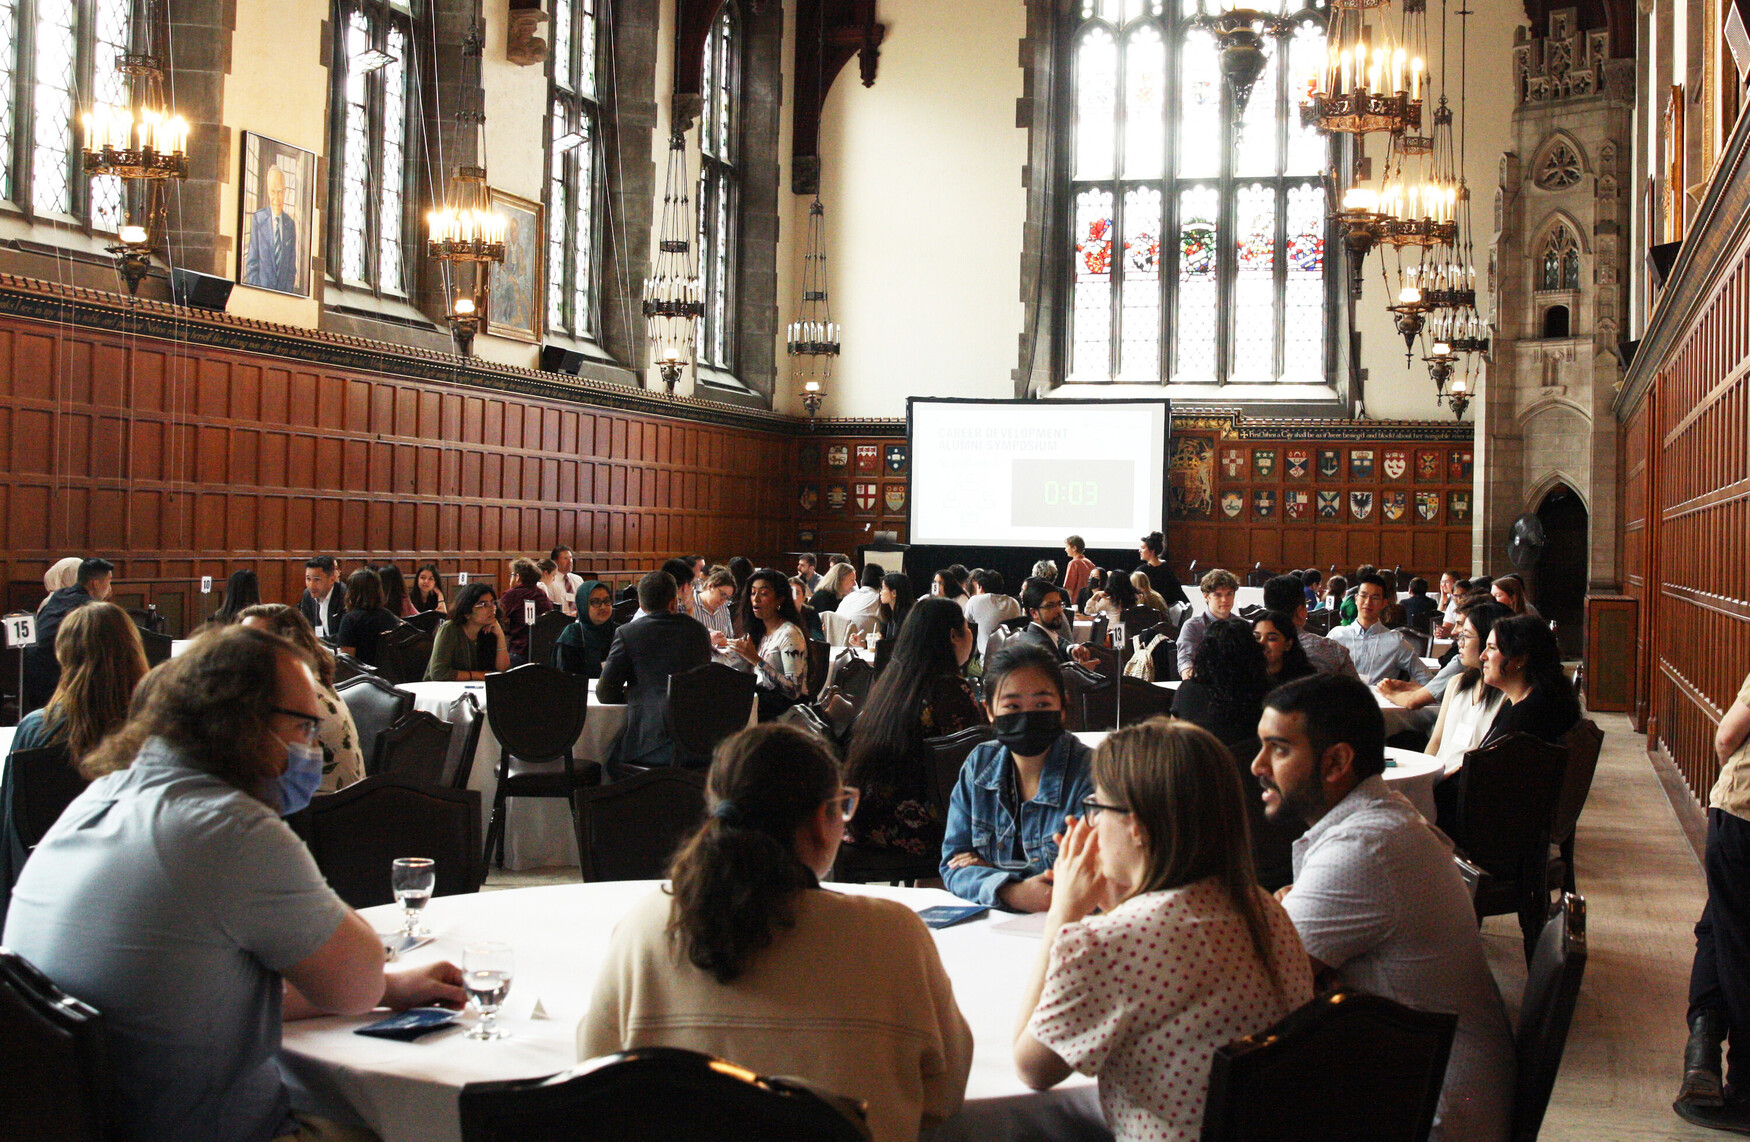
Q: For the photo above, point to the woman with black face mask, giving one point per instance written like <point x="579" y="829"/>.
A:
<point x="1014" y="793"/>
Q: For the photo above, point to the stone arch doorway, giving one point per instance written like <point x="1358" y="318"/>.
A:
<point x="1559" y="589"/>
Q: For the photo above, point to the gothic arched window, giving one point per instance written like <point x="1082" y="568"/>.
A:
<point x="720" y="188"/>
<point x="1560" y="266"/>
<point x="573" y="163"/>
<point x="369" y="173"/>
<point x="1197" y="252"/>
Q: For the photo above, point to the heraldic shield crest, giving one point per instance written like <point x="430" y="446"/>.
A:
<point x="838" y="456"/>
<point x="865" y="496"/>
<point x="837" y="496"/>
<point x="1299" y="463"/>
<point x="1329" y="461"/>
<point x="1397" y="462"/>
<point x="1295" y="503"/>
<point x="896" y="456"/>
<point x="1264" y="463"/>
<point x="808" y="497"/>
<point x="1232" y="504"/>
<point x="1330" y="503"/>
<point x="1360" y="504"/>
<point x="1361" y="464"/>
<point x="1395" y="506"/>
<point x="1264" y="503"/>
<point x="1428" y="505"/>
<point x="868" y="459"/>
<point x="894" y="497"/>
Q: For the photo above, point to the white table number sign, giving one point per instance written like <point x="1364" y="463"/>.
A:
<point x="528" y="612"/>
<point x="20" y="630"/>
<point x="206" y="584"/>
<point x="461" y="578"/>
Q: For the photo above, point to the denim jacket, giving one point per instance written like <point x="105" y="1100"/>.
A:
<point x="977" y="821"/>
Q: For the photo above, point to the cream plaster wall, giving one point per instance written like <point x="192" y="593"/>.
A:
<point x="277" y="49"/>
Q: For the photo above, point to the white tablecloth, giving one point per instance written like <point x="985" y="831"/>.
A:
<point x="407" y="1091"/>
<point x="538" y="832"/>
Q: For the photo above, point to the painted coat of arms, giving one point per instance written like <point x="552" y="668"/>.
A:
<point x="896" y="458"/>
<point x="1428" y="505"/>
<point x="1458" y="464"/>
<point x="1191" y="478"/>
<point x="1232" y="504"/>
<point x="1459" y="507"/>
<point x="837" y="495"/>
<point x="1427" y="467"/>
<point x="1264" y="463"/>
<point x="1330" y="503"/>
<point x="1264" y="503"/>
<point x="808" y="497"/>
<point x="1299" y="463"/>
<point x="868" y="459"/>
<point x="1295" y="503"/>
<point x="866" y="492"/>
<point x="893" y="495"/>
<point x="1233" y="463"/>
<point x="838" y="456"/>
<point x="1330" y="460"/>
<point x="1361" y="464"/>
<point x="1397" y="463"/>
<point x="1360" y="504"/>
<point x="1395" y="505"/>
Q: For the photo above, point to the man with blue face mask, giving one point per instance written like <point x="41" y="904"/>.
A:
<point x="172" y="897"/>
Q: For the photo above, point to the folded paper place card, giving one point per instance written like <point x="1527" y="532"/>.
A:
<point x="409" y="1025"/>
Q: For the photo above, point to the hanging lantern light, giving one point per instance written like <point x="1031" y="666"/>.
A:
<point x="1371" y="81"/>
<point x="466" y="235"/>
<point x="674" y="299"/>
<point x="813" y="339"/>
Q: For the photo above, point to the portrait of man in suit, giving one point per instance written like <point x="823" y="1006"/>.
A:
<point x="276" y="216"/>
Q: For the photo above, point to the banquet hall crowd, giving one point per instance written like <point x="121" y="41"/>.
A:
<point x="1200" y="876"/>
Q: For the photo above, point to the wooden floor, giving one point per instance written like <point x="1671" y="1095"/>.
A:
<point x="1643" y="886"/>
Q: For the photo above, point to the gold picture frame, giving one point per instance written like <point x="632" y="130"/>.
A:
<point x="515" y="303"/>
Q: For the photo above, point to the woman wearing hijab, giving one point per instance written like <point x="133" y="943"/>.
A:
<point x="584" y="644"/>
<point x="65" y="573"/>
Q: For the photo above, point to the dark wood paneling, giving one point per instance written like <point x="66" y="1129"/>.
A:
<point x="178" y="462"/>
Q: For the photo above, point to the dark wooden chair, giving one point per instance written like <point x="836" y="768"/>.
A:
<point x="357" y="833"/>
<point x="1343" y="1068"/>
<point x="157" y="646"/>
<point x="416" y="748"/>
<point x="545" y="633"/>
<point x="1257" y="576"/>
<point x="1507" y="797"/>
<point x="819" y="657"/>
<point x="625" y="609"/>
<point x="375" y="705"/>
<point x="654" y="1094"/>
<point x="1319" y="622"/>
<point x="56" y="1083"/>
<point x="948" y="754"/>
<point x="536" y="713"/>
<point x="1138" y="701"/>
<point x="404" y="654"/>
<point x="705" y="705"/>
<point x="1419" y="640"/>
<point x="629" y="828"/>
<point x="1552" y="987"/>
<point x="425" y="621"/>
<point x="1583" y="742"/>
<point x="346" y="667"/>
<point x="866" y="865"/>
<point x="43" y="785"/>
<point x="466" y="723"/>
<point x="148" y="618"/>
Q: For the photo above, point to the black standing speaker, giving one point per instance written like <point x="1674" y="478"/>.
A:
<point x="199" y="291"/>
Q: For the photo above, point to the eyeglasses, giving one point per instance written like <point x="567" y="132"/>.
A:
<point x="484" y="603"/>
<point x="1091" y="809"/>
<point x="846" y="799"/>
<point x="1464" y="636"/>
<point x="309" y="725"/>
<point x="601" y="602"/>
<point x="1054" y="605"/>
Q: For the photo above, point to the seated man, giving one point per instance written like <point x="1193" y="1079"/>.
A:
<point x="172" y="897"/>
<point x="1378" y="650"/>
<point x="1219" y="588"/>
<point x="805" y="571"/>
<point x="1376" y="898"/>
<point x="1044" y="604"/>
<point x="988" y="607"/>
<point x="42" y="671"/>
<point x="682" y="573"/>
<point x="711" y="608"/>
<point x="324" y="598"/>
<point x="644" y="653"/>
<point x="860" y="607"/>
<point x="1287" y="596"/>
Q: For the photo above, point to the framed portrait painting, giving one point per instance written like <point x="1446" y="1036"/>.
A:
<point x="514" y="307"/>
<point x="278" y="205"/>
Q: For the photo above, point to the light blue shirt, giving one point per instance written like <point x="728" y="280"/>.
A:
<point x="1380" y="652"/>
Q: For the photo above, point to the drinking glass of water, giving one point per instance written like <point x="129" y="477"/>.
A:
<point x="486" y="973"/>
<point x="413" y="879"/>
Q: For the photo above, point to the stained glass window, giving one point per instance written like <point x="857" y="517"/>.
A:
<point x="57" y="31"/>
<point x="1560" y="268"/>
<point x="370" y="179"/>
<point x="719" y="189"/>
<point x="1218" y="273"/>
<point x="573" y="183"/>
<point x="8" y="76"/>
<point x="109" y="85"/>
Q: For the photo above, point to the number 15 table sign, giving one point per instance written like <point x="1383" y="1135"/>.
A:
<point x="20" y="630"/>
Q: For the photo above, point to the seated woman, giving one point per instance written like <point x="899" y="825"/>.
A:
<point x="774" y="646"/>
<point x="1146" y="595"/>
<point x="525" y="591"/>
<point x="1013" y="793"/>
<point x="102" y="661"/>
<point x="943" y="585"/>
<point x="1229" y="678"/>
<point x="747" y="957"/>
<point x="1521" y="659"/>
<point x="810" y="618"/>
<point x="838" y="582"/>
<point x="428" y="593"/>
<point x="1118" y="597"/>
<point x="1336" y="594"/>
<point x="1186" y="954"/>
<point x="583" y="646"/>
<point x="1045" y="569"/>
<point x="395" y="599"/>
<point x="921" y="694"/>
<point x="1284" y="658"/>
<point x="1096" y="581"/>
<point x="242" y="590"/>
<point x="470" y="641"/>
<point x="1469" y="706"/>
<point x="1509" y="591"/>
<point x="343" y="762"/>
<point x="366" y="619"/>
<point x="895" y="603"/>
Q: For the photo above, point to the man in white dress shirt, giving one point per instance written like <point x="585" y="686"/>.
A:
<point x="1379" y="652"/>
<point x="860" y="606"/>
<point x="563" y="587"/>
<point x="988" y="607"/>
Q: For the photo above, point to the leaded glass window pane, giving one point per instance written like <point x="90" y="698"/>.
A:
<point x="110" y="86"/>
<point x="557" y="210"/>
<point x="1091" y="355"/>
<point x="719" y="181"/>
<point x="562" y="43"/>
<point x="1198" y="285"/>
<point x="8" y="76"/>
<point x="355" y="202"/>
<point x="1219" y="272"/>
<point x="57" y="29"/>
<point x="586" y="35"/>
<point x="583" y="228"/>
<point x="394" y="169"/>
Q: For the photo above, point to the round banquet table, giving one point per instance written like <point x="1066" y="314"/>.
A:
<point x="1406" y="771"/>
<point x="406" y="1092"/>
<point x="538" y="832"/>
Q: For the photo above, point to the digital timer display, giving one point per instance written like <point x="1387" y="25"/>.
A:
<point x="1072" y="493"/>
